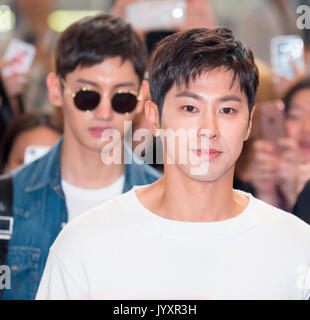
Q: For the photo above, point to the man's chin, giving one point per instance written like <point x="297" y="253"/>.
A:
<point x="205" y="178"/>
<point x="96" y="146"/>
<point x="202" y="174"/>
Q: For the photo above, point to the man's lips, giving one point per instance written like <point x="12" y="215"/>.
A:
<point x="208" y="153"/>
<point x="99" y="131"/>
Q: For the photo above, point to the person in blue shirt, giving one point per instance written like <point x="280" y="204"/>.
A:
<point x="98" y="82"/>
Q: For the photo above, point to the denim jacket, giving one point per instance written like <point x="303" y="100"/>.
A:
<point x="40" y="213"/>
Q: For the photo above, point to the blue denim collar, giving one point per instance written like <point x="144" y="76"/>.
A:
<point x="47" y="171"/>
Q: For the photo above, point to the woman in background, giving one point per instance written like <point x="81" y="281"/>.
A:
<point x="27" y="130"/>
<point x="279" y="178"/>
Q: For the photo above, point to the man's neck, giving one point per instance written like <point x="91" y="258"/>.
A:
<point x="84" y="168"/>
<point x="194" y="201"/>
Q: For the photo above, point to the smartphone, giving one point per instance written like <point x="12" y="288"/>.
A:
<point x="34" y="152"/>
<point x="285" y="49"/>
<point x="25" y="53"/>
<point x="272" y="121"/>
<point x="156" y="14"/>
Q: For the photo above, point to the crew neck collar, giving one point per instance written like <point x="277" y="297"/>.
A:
<point x="192" y="230"/>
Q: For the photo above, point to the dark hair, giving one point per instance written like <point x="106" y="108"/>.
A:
<point x="289" y="95"/>
<point x="185" y="55"/>
<point x="21" y="124"/>
<point x="93" y="39"/>
<point x="154" y="37"/>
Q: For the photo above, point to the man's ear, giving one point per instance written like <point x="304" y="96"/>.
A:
<point x="144" y="95"/>
<point x="152" y="116"/>
<point x="54" y="87"/>
<point x="250" y="125"/>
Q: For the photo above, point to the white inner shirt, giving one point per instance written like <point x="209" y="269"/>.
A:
<point x="80" y="200"/>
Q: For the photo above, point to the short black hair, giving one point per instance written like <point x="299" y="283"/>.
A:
<point x="289" y="95"/>
<point x="185" y="55"/>
<point x="91" y="40"/>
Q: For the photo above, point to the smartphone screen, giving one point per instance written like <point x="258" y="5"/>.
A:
<point x="25" y="53"/>
<point x="32" y="153"/>
<point x="156" y="14"/>
<point x="272" y="121"/>
<point x="285" y="49"/>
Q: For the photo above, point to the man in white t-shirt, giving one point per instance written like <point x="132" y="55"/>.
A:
<point x="189" y="235"/>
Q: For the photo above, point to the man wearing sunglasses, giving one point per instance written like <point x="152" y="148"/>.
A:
<point x="189" y="235"/>
<point x="98" y="82"/>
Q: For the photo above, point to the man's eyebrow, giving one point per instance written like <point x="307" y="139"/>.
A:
<point x="230" y="97"/>
<point x="124" y="84"/>
<point x="94" y="84"/>
<point x="195" y="96"/>
<point x="188" y="94"/>
<point x="88" y="82"/>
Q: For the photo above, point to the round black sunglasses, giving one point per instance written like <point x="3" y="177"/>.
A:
<point x="122" y="101"/>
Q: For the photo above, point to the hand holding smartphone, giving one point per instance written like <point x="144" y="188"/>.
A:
<point x="22" y="54"/>
<point x="287" y="51"/>
<point x="272" y="122"/>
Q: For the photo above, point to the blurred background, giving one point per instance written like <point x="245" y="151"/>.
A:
<point x="38" y="22"/>
<point x="276" y="30"/>
<point x="253" y="21"/>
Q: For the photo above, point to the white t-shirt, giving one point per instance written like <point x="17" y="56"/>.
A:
<point x="121" y="250"/>
<point x="79" y="200"/>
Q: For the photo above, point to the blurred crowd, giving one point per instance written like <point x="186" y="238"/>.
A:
<point x="274" y="171"/>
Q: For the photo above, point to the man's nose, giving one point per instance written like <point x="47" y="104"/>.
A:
<point x="104" y="110"/>
<point x="209" y="126"/>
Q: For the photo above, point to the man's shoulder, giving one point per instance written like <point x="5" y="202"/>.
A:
<point x="281" y="223"/>
<point x="107" y="207"/>
<point x="26" y="171"/>
<point x="28" y="175"/>
<point x="98" y="225"/>
<point x="104" y="215"/>
<point x="37" y="173"/>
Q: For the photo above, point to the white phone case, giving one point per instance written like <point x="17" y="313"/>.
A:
<point x="285" y="49"/>
<point x="26" y="53"/>
<point x="34" y="152"/>
<point x="156" y="14"/>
